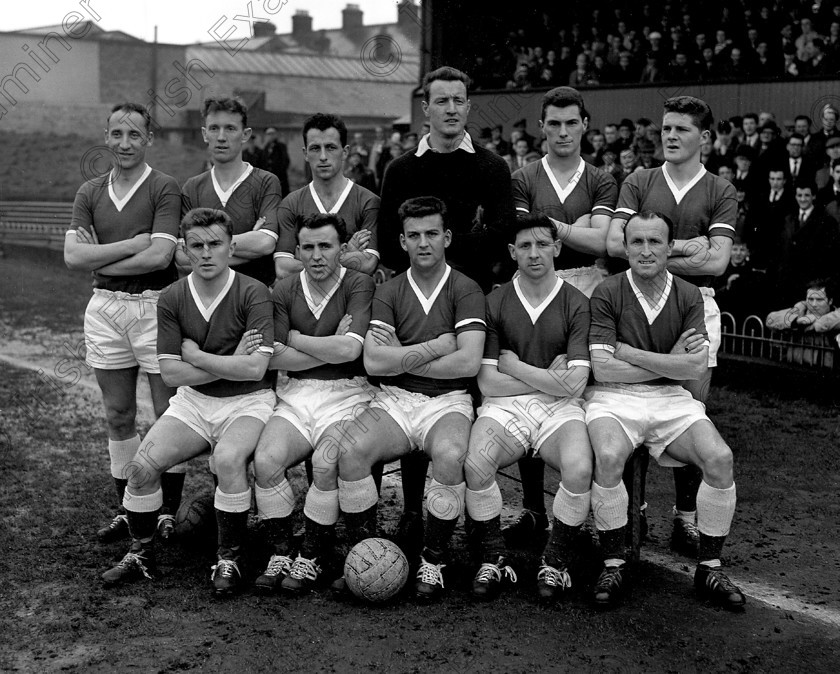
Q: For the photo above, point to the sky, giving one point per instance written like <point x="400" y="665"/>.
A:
<point x="188" y="21"/>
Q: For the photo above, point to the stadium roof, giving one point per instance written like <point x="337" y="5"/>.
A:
<point x="92" y="31"/>
<point x="406" y="70"/>
<point x="300" y="84"/>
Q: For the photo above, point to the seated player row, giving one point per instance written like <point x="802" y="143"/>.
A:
<point x="421" y="337"/>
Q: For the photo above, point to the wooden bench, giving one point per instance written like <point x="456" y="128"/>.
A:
<point x="40" y="224"/>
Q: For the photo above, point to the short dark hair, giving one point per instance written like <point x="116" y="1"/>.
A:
<point x="318" y="220"/>
<point x="530" y="221"/>
<point x="206" y="217"/>
<point x="650" y="215"/>
<point x="820" y="284"/>
<point x="806" y="185"/>
<point x="563" y="97"/>
<point x="805" y="117"/>
<point x="323" y="121"/>
<point x="798" y="136"/>
<point x="128" y="108"/>
<point x="750" y="115"/>
<point x="834" y="163"/>
<point x="233" y="105"/>
<point x="421" y="207"/>
<point x="447" y="74"/>
<point x="697" y="109"/>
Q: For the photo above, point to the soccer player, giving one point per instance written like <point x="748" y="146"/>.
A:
<point x="325" y="150"/>
<point x="424" y="344"/>
<point x="474" y="183"/>
<point x="580" y="200"/>
<point x="647" y="335"/>
<point x="124" y="230"/>
<point x="704" y="209"/>
<point x="534" y="370"/>
<point x="249" y="195"/>
<point x="224" y="397"/>
<point x="320" y="318"/>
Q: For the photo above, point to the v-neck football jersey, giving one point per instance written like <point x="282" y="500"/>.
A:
<point x="456" y="306"/>
<point x="536" y="190"/>
<point x="256" y="196"/>
<point x="707" y="206"/>
<point x="297" y="307"/>
<point x="243" y="304"/>
<point x="152" y="206"/>
<point x="619" y="313"/>
<point x="537" y="335"/>
<point x="357" y="206"/>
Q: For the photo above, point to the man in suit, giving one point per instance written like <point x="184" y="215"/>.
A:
<point x="808" y="246"/>
<point x="766" y="219"/>
<point x="518" y="160"/>
<point x="800" y="169"/>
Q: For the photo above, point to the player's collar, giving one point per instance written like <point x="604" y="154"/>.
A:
<point x="651" y="313"/>
<point x="680" y="193"/>
<point x="119" y="204"/>
<point x="563" y="192"/>
<point x="317" y="308"/>
<point x="207" y="312"/>
<point x="224" y="195"/>
<point x="534" y="313"/>
<point x="338" y="204"/>
<point x="428" y="302"/>
<point x="423" y="146"/>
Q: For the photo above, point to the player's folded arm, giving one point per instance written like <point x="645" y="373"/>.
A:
<point x="384" y="360"/>
<point x="676" y="366"/>
<point x="615" y="234"/>
<point x="587" y="234"/>
<point x="493" y="383"/>
<point x="157" y="256"/>
<point x="254" y="245"/>
<point x="465" y="361"/>
<point x="568" y="382"/>
<point x="609" y="369"/>
<point x="332" y="349"/>
<point x="250" y="367"/>
<point x="695" y="259"/>
<point x="364" y="261"/>
<point x="80" y="256"/>
<point x="176" y="372"/>
<point x="286" y="264"/>
<point x="290" y="359"/>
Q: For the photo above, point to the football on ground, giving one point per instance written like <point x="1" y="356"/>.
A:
<point x="196" y="518"/>
<point x="375" y="570"/>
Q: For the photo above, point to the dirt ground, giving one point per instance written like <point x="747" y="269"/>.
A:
<point x="55" y="491"/>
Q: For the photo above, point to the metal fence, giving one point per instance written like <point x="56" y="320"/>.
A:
<point x="755" y="341"/>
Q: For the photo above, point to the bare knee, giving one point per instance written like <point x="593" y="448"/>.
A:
<point x="267" y="469"/>
<point x="142" y="474"/>
<point x="479" y="470"/>
<point x="228" y="461"/>
<point x="120" y="420"/>
<point x="448" y="460"/>
<point x="717" y="465"/>
<point x="609" y="465"/>
<point x="577" y="476"/>
<point x="354" y="463"/>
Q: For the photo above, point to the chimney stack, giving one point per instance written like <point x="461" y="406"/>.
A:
<point x="351" y="17"/>
<point x="301" y="24"/>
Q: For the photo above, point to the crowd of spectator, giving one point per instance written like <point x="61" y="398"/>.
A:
<point x="627" y="43"/>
